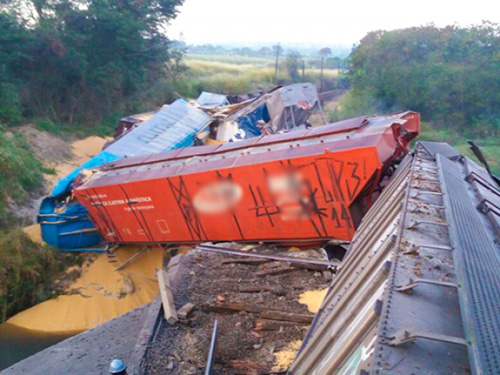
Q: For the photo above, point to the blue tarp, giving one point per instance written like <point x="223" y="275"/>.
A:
<point x="65" y="184"/>
<point x="248" y="122"/>
<point x="70" y="229"/>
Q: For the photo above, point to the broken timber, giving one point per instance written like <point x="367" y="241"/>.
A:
<point x="260" y="311"/>
<point x="276" y="271"/>
<point x="278" y="290"/>
<point x="166" y="297"/>
<point x="185" y="311"/>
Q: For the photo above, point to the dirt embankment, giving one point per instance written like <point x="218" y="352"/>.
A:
<point x="62" y="154"/>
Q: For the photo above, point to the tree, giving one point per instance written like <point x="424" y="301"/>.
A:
<point x="450" y="74"/>
<point x="13" y="39"/>
<point x="92" y="60"/>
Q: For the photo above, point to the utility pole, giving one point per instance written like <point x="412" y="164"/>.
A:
<point x="303" y="70"/>
<point x="324" y="52"/>
<point x="278" y="48"/>
<point x="321" y="77"/>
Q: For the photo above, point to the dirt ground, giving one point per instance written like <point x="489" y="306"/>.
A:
<point x="62" y="155"/>
<point x="243" y="347"/>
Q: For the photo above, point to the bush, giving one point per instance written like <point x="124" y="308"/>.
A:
<point x="449" y="75"/>
<point x="27" y="272"/>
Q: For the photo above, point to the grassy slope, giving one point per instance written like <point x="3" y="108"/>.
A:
<point x="237" y="74"/>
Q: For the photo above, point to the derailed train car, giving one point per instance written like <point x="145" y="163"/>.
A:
<point x="419" y="290"/>
<point x="65" y="223"/>
<point x="307" y="186"/>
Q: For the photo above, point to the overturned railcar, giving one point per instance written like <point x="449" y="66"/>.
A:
<point x="419" y="289"/>
<point x="306" y="186"/>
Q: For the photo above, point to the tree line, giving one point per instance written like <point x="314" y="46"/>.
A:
<point x="450" y="75"/>
<point x="75" y="61"/>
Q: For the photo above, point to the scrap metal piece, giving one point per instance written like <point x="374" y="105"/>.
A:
<point x="407" y="335"/>
<point x="442" y="148"/>
<point x="479" y="154"/>
<point x="414" y="283"/>
<point x="293" y="260"/>
<point x="211" y="100"/>
<point x="211" y="350"/>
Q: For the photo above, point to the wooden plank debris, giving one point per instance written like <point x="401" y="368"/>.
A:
<point x="271" y="325"/>
<point x="275" y="289"/>
<point x="260" y="311"/>
<point x="256" y="261"/>
<point x="167" y="298"/>
<point x="185" y="311"/>
<point x="276" y="271"/>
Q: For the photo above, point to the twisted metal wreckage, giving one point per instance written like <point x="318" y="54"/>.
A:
<point x="419" y="289"/>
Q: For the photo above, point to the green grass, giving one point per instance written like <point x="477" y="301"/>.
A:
<point x="104" y="128"/>
<point x="232" y="59"/>
<point x="220" y="75"/>
<point x="489" y="146"/>
<point x="20" y="172"/>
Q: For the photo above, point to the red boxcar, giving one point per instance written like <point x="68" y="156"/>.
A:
<point x="303" y="186"/>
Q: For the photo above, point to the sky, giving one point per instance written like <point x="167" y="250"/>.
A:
<point x="329" y="22"/>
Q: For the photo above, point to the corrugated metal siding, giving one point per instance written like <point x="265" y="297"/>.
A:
<point x="170" y="128"/>
<point x="370" y="314"/>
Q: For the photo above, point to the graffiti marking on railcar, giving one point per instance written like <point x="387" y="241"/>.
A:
<point x="327" y="194"/>
<point x="143" y="224"/>
<point x="318" y="213"/>
<point x="183" y="199"/>
<point x="261" y="207"/>
<point x="354" y="176"/>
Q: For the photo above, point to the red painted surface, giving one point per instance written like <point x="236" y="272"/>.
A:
<point x="289" y="187"/>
